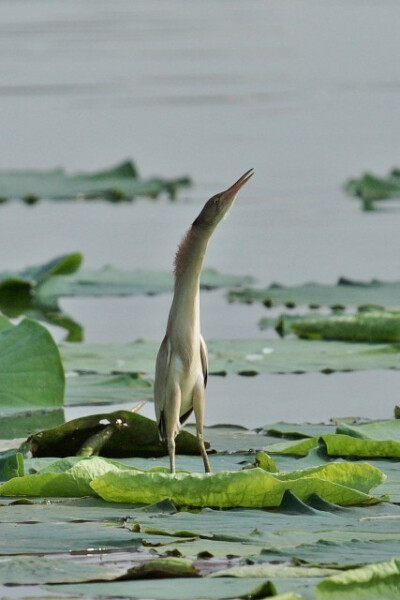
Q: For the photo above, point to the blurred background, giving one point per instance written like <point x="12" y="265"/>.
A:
<point x="307" y="93"/>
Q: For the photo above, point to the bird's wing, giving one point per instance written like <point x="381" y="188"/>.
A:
<point x="204" y="359"/>
<point x="160" y="382"/>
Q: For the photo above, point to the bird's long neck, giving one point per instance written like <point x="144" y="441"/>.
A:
<point x="184" y="317"/>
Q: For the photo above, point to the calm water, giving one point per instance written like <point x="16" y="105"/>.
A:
<point x="307" y="93"/>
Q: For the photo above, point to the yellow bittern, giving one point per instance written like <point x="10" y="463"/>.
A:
<point x="182" y="364"/>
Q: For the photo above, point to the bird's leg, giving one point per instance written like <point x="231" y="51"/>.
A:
<point x="172" y="423"/>
<point x="199" y="402"/>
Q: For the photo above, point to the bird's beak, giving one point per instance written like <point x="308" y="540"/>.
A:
<point x="230" y="194"/>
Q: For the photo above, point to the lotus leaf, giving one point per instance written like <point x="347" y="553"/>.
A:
<point x="346" y="293"/>
<point x="33" y="570"/>
<point x="340" y="445"/>
<point x="379" y="327"/>
<point x="380" y="580"/>
<point x="249" y="488"/>
<point x="31" y="373"/>
<point x="63" y="479"/>
<point x="116" y="183"/>
<point x="212" y="589"/>
<point x="375" y="430"/>
<point x="246" y="357"/>
<point x="132" y="435"/>
<point x="370" y="188"/>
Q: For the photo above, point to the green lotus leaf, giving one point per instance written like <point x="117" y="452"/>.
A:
<point x="118" y="183"/>
<point x="340" y="445"/>
<point x="388" y="429"/>
<point x="31" y="373"/>
<point x="372" y="327"/>
<point x="380" y="580"/>
<point x="29" y="570"/>
<point x="117" y="434"/>
<point x="346" y="293"/>
<point x="270" y="571"/>
<point x="371" y="188"/>
<point x="246" y="357"/>
<point x="65" y="478"/>
<point x="162" y="568"/>
<point x="172" y="589"/>
<point x="248" y="488"/>
<point x="11" y="465"/>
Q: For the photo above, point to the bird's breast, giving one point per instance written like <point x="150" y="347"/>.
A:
<point x="187" y="376"/>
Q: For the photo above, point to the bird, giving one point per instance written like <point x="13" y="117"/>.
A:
<point x="182" y="360"/>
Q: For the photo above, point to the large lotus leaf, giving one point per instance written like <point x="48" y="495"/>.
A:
<point x="375" y="430"/>
<point x="66" y="510"/>
<point x="246" y="357"/>
<point x="116" y="183"/>
<point x="345" y="293"/>
<point x="64" y="478"/>
<point x="340" y="445"/>
<point x="106" y="389"/>
<point x="344" y="445"/>
<point x="380" y="580"/>
<point x="294" y="525"/>
<point x="350" y="553"/>
<point x="249" y="488"/>
<point x="171" y="589"/>
<point x="339" y="483"/>
<point x="56" y="538"/>
<point x="359" y="476"/>
<point x="25" y="570"/>
<point x="128" y="434"/>
<point x="31" y="373"/>
<point x="372" y="327"/>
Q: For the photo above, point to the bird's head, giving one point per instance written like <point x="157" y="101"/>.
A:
<point x="217" y="207"/>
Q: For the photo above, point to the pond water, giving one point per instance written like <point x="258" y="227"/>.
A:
<point x="306" y="93"/>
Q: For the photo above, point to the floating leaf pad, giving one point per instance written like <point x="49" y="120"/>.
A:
<point x="246" y="357"/>
<point x="381" y="580"/>
<point x="345" y="293"/>
<point x="255" y="488"/>
<point x="344" y="484"/>
<point x="34" y="570"/>
<point x="372" y="327"/>
<point x="340" y="445"/>
<point x="116" y="184"/>
<point x="370" y="188"/>
<point x="133" y="435"/>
